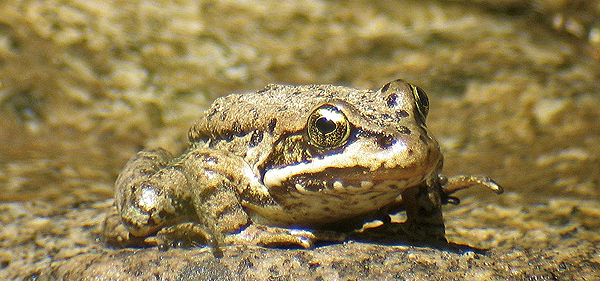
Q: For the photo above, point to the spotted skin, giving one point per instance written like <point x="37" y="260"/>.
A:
<point x="261" y="164"/>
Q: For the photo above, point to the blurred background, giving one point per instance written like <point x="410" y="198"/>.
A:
<point x="513" y="85"/>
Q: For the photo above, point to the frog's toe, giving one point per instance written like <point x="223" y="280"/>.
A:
<point x="456" y="183"/>
<point x="424" y="232"/>
<point x="115" y="234"/>
<point x="273" y="237"/>
<point x="187" y="234"/>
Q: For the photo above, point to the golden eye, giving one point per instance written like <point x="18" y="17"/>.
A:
<point x="422" y="101"/>
<point x="327" y="127"/>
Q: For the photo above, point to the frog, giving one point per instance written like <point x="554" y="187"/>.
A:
<point x="291" y="165"/>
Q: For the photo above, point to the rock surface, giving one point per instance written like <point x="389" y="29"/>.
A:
<point x="514" y="95"/>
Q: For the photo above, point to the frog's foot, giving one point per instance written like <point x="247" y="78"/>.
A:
<point x="115" y="234"/>
<point x="272" y="236"/>
<point x="187" y="234"/>
<point x="419" y="232"/>
<point x="397" y="232"/>
<point x="456" y="183"/>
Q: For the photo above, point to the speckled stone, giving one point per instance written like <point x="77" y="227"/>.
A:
<point x="514" y="94"/>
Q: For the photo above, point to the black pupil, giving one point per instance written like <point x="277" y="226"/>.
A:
<point x="325" y="125"/>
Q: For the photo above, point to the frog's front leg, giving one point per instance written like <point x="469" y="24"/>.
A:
<point x="456" y="183"/>
<point x="423" y="205"/>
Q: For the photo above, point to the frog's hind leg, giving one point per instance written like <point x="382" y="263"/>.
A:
<point x="214" y="180"/>
<point x="147" y="193"/>
<point x="115" y="234"/>
<point x="191" y="198"/>
<point x="215" y="205"/>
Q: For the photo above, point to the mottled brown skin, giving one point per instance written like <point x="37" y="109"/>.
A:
<point x="260" y="164"/>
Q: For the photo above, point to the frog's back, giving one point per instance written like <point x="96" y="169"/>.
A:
<point x="266" y="110"/>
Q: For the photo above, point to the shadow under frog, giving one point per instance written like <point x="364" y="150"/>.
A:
<point x="291" y="165"/>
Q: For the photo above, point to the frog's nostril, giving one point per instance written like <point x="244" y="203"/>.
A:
<point x="391" y="100"/>
<point x="386" y="141"/>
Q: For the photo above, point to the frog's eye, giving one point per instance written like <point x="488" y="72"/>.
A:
<point x="327" y="127"/>
<point x="421" y="100"/>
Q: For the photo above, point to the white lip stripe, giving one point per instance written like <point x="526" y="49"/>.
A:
<point x="345" y="203"/>
<point x="353" y="156"/>
<point x="339" y="189"/>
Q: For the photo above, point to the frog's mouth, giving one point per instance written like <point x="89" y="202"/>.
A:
<point x="355" y="170"/>
<point x="349" y="181"/>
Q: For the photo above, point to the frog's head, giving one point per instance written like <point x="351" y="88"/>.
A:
<point x="356" y="142"/>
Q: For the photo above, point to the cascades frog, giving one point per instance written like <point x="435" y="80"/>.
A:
<point x="290" y="165"/>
